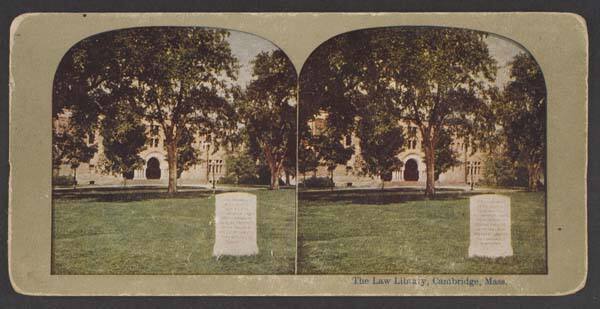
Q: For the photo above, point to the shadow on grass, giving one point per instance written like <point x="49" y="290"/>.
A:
<point x="381" y="197"/>
<point x="133" y="194"/>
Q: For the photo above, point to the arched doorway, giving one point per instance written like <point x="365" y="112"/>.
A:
<point x="153" y="169"/>
<point x="411" y="170"/>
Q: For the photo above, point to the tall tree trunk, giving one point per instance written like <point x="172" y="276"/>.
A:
<point x="74" y="178"/>
<point x="208" y="164"/>
<point x="274" y="176"/>
<point x="275" y="166"/>
<point x="465" y="163"/>
<point x="533" y="176"/>
<point x="430" y="168"/>
<point x="172" y="160"/>
<point x="214" y="180"/>
<point x="331" y="177"/>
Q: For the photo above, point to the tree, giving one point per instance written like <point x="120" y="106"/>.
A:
<point x="331" y="152"/>
<point x="242" y="167"/>
<point x="522" y="117"/>
<point x="176" y="77"/>
<point x="307" y="160"/>
<point x="70" y="146"/>
<point x="327" y="84"/>
<point x="439" y="79"/>
<point x="443" y="84"/>
<point x="123" y="138"/>
<point x="188" y="151"/>
<point x="381" y="140"/>
<point x="290" y="161"/>
<point x="268" y="110"/>
<point x="434" y="78"/>
<point x="445" y="156"/>
<point x="501" y="170"/>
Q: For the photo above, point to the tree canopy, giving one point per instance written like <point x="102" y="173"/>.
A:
<point x="522" y="115"/>
<point x="435" y="78"/>
<point x="268" y="110"/>
<point x="176" y="77"/>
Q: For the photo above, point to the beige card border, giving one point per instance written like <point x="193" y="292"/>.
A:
<point x="558" y="41"/>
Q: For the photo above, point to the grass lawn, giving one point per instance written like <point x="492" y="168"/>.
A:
<point x="146" y="232"/>
<point x="369" y="232"/>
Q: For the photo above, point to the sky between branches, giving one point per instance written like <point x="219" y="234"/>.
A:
<point x="245" y="47"/>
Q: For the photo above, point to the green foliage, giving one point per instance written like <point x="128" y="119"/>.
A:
<point x="307" y="159"/>
<point x="317" y="182"/>
<point x="445" y="156"/>
<point x="70" y="146"/>
<point x="268" y="111"/>
<point x="327" y="84"/>
<point x="290" y="161"/>
<point x="435" y="78"/>
<point x="501" y="171"/>
<point x="123" y="138"/>
<point x="63" y="181"/>
<point x="177" y="77"/>
<point x="241" y="168"/>
<point x="522" y="115"/>
<point x="331" y="151"/>
<point x="188" y="151"/>
<point x="381" y="140"/>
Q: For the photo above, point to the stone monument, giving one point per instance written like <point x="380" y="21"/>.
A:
<point x="490" y="226"/>
<point x="235" y="224"/>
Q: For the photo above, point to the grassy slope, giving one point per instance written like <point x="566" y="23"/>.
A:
<point x="165" y="236"/>
<point x="358" y="236"/>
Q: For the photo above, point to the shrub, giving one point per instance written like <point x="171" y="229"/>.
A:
<point x="318" y="182"/>
<point x="244" y="180"/>
<point x="229" y="180"/>
<point x="63" y="181"/>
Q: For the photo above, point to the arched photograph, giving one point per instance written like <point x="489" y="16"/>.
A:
<point x="422" y="150"/>
<point x="174" y="153"/>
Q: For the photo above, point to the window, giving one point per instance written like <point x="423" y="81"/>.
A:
<point x="412" y="144"/>
<point x="153" y="142"/>
<point x="412" y="131"/>
<point x="154" y="130"/>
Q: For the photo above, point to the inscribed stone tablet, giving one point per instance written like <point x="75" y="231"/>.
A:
<point x="235" y="224"/>
<point x="490" y="226"/>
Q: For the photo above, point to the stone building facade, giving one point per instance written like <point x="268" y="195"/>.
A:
<point x="155" y="169"/>
<point x="413" y="171"/>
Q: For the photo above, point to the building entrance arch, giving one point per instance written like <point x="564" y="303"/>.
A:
<point x="411" y="170"/>
<point x="153" y="169"/>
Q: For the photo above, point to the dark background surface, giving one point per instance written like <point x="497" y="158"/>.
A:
<point x="589" y="297"/>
